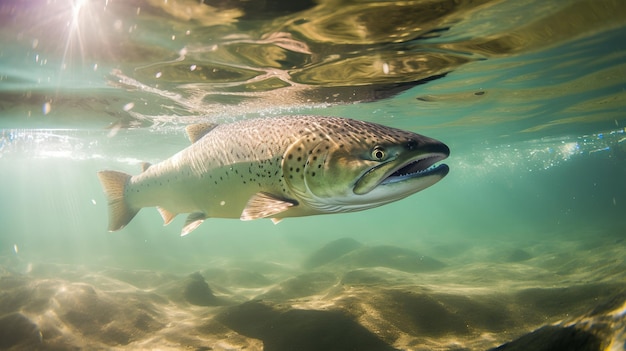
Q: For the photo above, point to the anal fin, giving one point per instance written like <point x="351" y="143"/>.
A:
<point x="193" y="221"/>
<point x="263" y="205"/>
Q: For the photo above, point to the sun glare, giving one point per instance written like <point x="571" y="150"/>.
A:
<point x="82" y="30"/>
<point x="77" y="32"/>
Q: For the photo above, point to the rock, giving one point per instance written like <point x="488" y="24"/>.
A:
<point x="142" y="279"/>
<point x="556" y="338"/>
<point x="249" y="318"/>
<point x="514" y="255"/>
<point x="602" y="328"/>
<point x="236" y="278"/>
<point x="423" y="314"/>
<point x="197" y="291"/>
<point x="569" y="300"/>
<point x="331" y="251"/>
<point x="364" y="277"/>
<point x="391" y="257"/>
<point x="302" y="330"/>
<point x="85" y="309"/>
<point x="16" y="330"/>
<point x="303" y="285"/>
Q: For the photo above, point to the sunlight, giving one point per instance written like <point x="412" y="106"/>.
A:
<point x="83" y="19"/>
<point x="74" y="30"/>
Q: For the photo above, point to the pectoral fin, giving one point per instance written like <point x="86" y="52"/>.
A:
<point x="193" y="221"/>
<point x="263" y="205"/>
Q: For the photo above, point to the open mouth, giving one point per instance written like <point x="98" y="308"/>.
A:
<point x="420" y="165"/>
<point x="424" y="166"/>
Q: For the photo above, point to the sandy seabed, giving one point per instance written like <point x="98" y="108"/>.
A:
<point x="344" y="296"/>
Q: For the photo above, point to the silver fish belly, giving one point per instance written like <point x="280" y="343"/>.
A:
<point x="278" y="167"/>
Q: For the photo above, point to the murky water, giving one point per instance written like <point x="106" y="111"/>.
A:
<point x="522" y="243"/>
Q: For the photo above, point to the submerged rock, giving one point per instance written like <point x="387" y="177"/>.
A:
<point x="303" y="330"/>
<point x="17" y="331"/>
<point x="556" y="338"/>
<point x="303" y="285"/>
<point x="349" y="253"/>
<point x="426" y="314"/>
<point x="249" y="318"/>
<point x="514" y="255"/>
<point x="569" y="300"/>
<point x="197" y="291"/>
<point x="368" y="298"/>
<point x="15" y="294"/>
<point x="364" y="277"/>
<point x="391" y="257"/>
<point x="331" y="251"/>
<point x="602" y="328"/>
<point x="87" y="310"/>
<point x="236" y="277"/>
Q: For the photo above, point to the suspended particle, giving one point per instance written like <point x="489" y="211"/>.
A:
<point x="46" y="108"/>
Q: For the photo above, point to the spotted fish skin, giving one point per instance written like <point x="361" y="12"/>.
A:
<point x="278" y="167"/>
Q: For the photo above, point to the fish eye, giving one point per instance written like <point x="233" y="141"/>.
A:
<point x="378" y="153"/>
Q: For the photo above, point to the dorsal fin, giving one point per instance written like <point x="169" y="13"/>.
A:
<point x="196" y="131"/>
<point x="145" y="166"/>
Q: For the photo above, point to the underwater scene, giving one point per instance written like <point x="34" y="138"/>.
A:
<point x="334" y="175"/>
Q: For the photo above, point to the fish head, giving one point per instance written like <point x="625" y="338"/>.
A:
<point x="362" y="166"/>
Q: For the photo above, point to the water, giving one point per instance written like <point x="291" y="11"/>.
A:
<point x="526" y="232"/>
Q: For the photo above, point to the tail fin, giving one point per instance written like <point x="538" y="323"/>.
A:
<point x="114" y="184"/>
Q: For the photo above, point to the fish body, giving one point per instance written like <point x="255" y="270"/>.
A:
<point x="278" y="167"/>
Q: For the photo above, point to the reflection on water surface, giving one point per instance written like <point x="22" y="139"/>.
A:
<point x="190" y="57"/>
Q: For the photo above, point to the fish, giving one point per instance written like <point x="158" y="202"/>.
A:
<point x="278" y="167"/>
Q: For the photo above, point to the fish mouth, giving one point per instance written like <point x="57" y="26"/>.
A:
<point x="423" y="166"/>
<point x="415" y="172"/>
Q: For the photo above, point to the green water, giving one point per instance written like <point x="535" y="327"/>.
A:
<point x="530" y="96"/>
